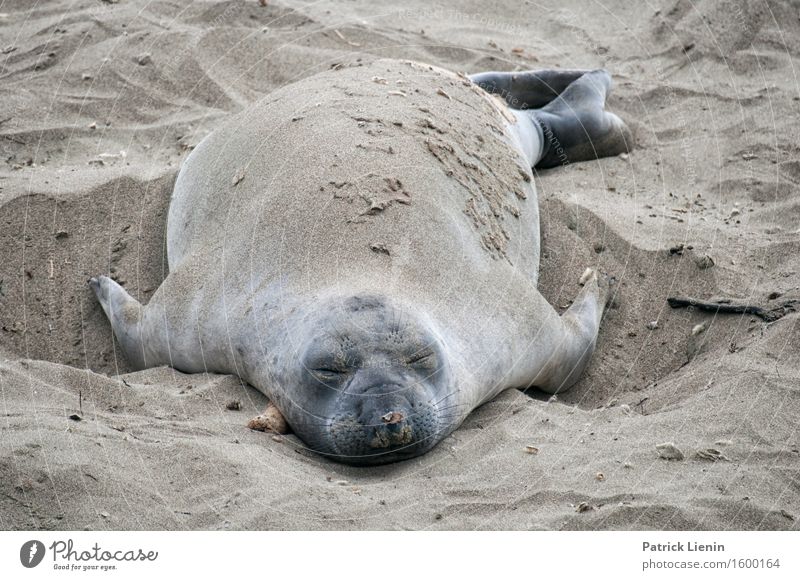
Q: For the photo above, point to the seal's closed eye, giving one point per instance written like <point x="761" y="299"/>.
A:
<point x="423" y="358"/>
<point x="321" y="355"/>
<point x="425" y="364"/>
<point x="328" y="374"/>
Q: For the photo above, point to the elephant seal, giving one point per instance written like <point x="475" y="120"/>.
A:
<point x="362" y="246"/>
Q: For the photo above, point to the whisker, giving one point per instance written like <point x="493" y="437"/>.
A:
<point x="446" y="397"/>
<point x="309" y="424"/>
<point x="454" y="406"/>
<point x="449" y="415"/>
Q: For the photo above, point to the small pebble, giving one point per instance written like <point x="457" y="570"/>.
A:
<point x="669" y="451"/>
<point x="710" y="454"/>
<point x="652" y="325"/>
<point x="704" y="262"/>
<point x="270" y="420"/>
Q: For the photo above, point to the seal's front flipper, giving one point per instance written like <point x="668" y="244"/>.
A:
<point x="576" y="126"/>
<point x="125" y="315"/>
<point x="577" y="336"/>
<point x="527" y="90"/>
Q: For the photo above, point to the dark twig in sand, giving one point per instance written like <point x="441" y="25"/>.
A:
<point x="14" y="139"/>
<point x="768" y="315"/>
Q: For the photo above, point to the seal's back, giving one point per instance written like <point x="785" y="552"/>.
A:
<point x="399" y="165"/>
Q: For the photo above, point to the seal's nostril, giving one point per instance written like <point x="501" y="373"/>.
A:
<point x="392" y="418"/>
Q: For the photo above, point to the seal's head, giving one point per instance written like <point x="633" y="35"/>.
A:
<point x="374" y="383"/>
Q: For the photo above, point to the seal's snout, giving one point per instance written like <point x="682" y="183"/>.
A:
<point x="387" y="417"/>
<point x="392" y="436"/>
<point x="382" y="424"/>
<point x="392" y="418"/>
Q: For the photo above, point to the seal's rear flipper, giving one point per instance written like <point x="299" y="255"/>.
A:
<point x="529" y="89"/>
<point x="576" y="126"/>
<point x="125" y="315"/>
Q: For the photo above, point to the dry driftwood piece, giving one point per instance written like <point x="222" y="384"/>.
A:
<point x="768" y="315"/>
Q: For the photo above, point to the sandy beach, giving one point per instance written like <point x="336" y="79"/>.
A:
<point x="101" y="102"/>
